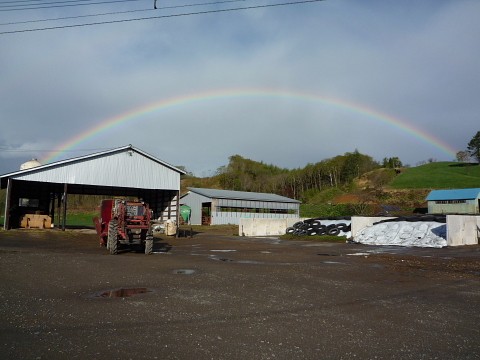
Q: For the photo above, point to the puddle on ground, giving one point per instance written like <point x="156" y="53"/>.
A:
<point x="122" y="292"/>
<point x="236" y="261"/>
<point x="250" y="262"/>
<point x="183" y="271"/>
<point x="214" y="257"/>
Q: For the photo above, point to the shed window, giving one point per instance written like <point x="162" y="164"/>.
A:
<point x="33" y="203"/>
<point x="451" y="202"/>
<point x="255" y="210"/>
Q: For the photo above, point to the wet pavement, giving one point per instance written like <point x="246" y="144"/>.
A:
<point x="221" y="297"/>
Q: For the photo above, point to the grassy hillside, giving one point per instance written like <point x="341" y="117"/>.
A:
<point x="438" y="175"/>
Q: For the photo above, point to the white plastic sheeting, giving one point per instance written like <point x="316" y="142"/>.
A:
<point x="405" y="233"/>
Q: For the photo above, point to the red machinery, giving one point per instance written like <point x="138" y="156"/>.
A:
<point x="124" y="222"/>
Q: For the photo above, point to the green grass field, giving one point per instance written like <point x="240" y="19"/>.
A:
<point x="81" y="219"/>
<point x="439" y="175"/>
<point x="74" y="219"/>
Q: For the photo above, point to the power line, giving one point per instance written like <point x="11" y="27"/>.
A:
<point x="22" y="1"/>
<point x="123" y="12"/>
<point x="37" y="1"/>
<point x="78" y="16"/>
<point x="163" y="16"/>
<point x="43" y="3"/>
<point x="69" y="5"/>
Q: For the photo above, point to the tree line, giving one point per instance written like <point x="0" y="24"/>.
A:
<point x="243" y="174"/>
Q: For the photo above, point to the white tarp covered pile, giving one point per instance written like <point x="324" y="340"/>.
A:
<point x="405" y="233"/>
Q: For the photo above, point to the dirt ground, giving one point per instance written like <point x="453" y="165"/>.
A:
<point x="227" y="297"/>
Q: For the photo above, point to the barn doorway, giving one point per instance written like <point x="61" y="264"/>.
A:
<point x="206" y="213"/>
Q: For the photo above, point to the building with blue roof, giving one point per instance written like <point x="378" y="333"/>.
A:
<point x="454" y="201"/>
<point x="219" y="207"/>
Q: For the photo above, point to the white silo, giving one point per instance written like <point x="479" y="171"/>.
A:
<point x="30" y="164"/>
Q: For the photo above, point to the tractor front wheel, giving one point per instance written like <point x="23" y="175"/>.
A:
<point x="149" y="245"/>
<point x="112" y="237"/>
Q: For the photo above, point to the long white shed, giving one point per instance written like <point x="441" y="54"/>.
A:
<point x="220" y="207"/>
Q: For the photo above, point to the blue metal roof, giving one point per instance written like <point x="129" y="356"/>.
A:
<point x="454" y="194"/>
<point x="242" y="195"/>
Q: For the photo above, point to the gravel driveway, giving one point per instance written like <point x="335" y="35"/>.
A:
<point x="227" y="297"/>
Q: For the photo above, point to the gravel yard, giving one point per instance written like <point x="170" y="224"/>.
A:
<point x="214" y="296"/>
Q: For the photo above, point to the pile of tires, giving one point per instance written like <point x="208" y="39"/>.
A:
<point x="318" y="227"/>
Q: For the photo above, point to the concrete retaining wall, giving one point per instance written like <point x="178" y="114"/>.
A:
<point x="462" y="230"/>
<point x="265" y="227"/>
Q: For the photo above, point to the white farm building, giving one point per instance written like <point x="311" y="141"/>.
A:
<point x="219" y="207"/>
<point x="122" y="172"/>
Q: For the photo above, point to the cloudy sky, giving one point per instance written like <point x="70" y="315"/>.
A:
<point x="286" y="85"/>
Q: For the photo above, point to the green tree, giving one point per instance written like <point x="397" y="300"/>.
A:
<point x="462" y="156"/>
<point x="473" y="147"/>
<point x="392" y="162"/>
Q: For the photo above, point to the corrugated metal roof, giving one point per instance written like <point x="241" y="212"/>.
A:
<point x="117" y="167"/>
<point x="454" y="194"/>
<point x="241" y="195"/>
<point x="94" y="155"/>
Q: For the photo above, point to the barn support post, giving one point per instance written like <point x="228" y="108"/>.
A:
<point x="64" y="204"/>
<point x="177" y="214"/>
<point x="59" y="208"/>
<point x="178" y="206"/>
<point x="8" y="194"/>
<point x="155" y="197"/>
<point x="162" y="210"/>
<point x="169" y="209"/>
<point x="51" y="205"/>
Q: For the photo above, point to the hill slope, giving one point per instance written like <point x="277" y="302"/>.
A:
<point x="438" y="175"/>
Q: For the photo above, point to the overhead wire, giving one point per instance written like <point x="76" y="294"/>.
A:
<point x="214" y="11"/>
<point x="37" y="1"/>
<point x="16" y="4"/>
<point x="123" y="12"/>
<point x="70" y="5"/>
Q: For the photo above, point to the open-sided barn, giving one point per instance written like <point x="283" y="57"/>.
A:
<point x="455" y="201"/>
<point x="125" y="171"/>
<point x="217" y="207"/>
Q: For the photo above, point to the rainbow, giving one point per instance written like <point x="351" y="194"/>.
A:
<point x="137" y="114"/>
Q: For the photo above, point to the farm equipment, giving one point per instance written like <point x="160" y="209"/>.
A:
<point x="124" y="222"/>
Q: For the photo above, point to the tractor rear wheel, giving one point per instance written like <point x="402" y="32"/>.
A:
<point x="112" y="237"/>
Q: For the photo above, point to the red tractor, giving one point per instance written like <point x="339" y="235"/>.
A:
<point x="124" y="222"/>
